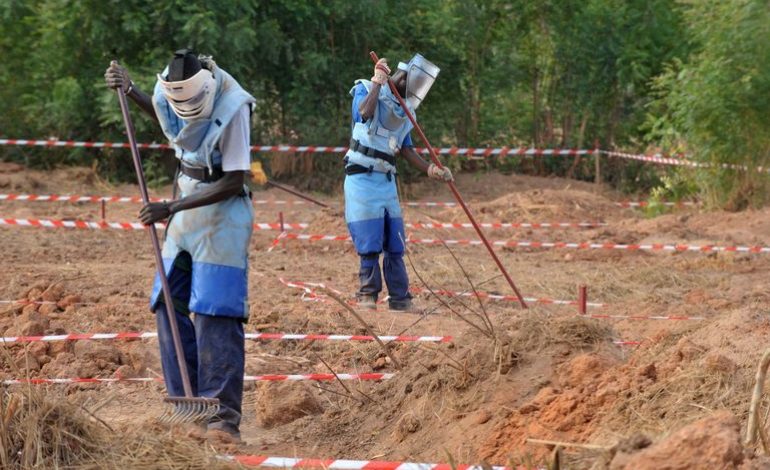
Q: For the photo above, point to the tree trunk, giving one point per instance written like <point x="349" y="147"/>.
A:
<point x="580" y="141"/>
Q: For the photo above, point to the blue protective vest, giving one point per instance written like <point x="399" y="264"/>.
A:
<point x="217" y="235"/>
<point x="385" y="131"/>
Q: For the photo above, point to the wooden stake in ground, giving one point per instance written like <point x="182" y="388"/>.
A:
<point x="754" y="427"/>
<point x="358" y="317"/>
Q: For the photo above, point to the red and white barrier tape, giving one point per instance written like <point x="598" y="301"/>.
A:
<point x="253" y="336"/>
<point x="619" y="204"/>
<point x="138" y="200"/>
<point x="310" y="295"/>
<point x="68" y="198"/>
<point x="48" y="223"/>
<point x="53" y="223"/>
<point x="91" y="304"/>
<point x="472" y="152"/>
<point x="558" y="245"/>
<point x="246" y="378"/>
<point x="653" y="204"/>
<point x="511" y="298"/>
<point x="308" y="288"/>
<point x="656" y="158"/>
<point x="337" y="464"/>
<point x="644" y="317"/>
<point x="667" y="160"/>
<point x="505" y="225"/>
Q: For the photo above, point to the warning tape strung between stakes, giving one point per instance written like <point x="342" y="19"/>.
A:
<point x="654" y="204"/>
<point x="311" y="295"/>
<point x="138" y="200"/>
<point x="477" y="152"/>
<point x="67" y="198"/>
<point x="474" y="152"/>
<point x="664" y="160"/>
<point x="502" y="225"/>
<point x="48" y="223"/>
<point x="308" y="287"/>
<point x="337" y="464"/>
<point x="557" y="245"/>
<point x="512" y="298"/>
<point x="246" y="378"/>
<point x="656" y="158"/>
<point x="254" y="336"/>
<point x="53" y="223"/>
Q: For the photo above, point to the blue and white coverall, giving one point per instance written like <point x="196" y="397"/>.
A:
<point x="372" y="208"/>
<point x="206" y="255"/>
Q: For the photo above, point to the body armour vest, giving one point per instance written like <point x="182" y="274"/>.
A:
<point x="195" y="142"/>
<point x="385" y="131"/>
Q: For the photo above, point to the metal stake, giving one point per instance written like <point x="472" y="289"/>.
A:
<point x="582" y="299"/>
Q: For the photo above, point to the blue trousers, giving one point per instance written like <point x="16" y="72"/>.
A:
<point x="374" y="219"/>
<point x="214" y="348"/>
<point x="396" y="277"/>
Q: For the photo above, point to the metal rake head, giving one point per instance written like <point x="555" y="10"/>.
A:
<point x="189" y="410"/>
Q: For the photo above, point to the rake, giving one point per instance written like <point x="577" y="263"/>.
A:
<point x="186" y="409"/>
<point x="453" y="188"/>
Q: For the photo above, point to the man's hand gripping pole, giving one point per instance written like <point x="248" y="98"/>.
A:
<point x="453" y="188"/>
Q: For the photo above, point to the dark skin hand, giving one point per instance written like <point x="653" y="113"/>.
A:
<point x="369" y="105"/>
<point x="414" y="159"/>
<point x="230" y="185"/>
<point x="117" y="76"/>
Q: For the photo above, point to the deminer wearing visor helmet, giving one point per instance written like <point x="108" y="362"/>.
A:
<point x="380" y="133"/>
<point x="205" y="115"/>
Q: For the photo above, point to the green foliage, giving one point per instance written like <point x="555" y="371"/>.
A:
<point x="677" y="186"/>
<point x="718" y="101"/>
<point x="547" y="73"/>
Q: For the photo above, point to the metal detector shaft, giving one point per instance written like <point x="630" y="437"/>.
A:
<point x="453" y="188"/>
<point x="296" y="193"/>
<point x="170" y="311"/>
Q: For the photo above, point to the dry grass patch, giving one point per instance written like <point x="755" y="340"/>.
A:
<point x="41" y="428"/>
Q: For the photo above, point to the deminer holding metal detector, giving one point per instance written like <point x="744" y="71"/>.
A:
<point x="205" y="115"/>
<point x="381" y="131"/>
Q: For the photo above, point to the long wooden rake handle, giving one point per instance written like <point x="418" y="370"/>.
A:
<point x="170" y="311"/>
<point x="453" y="188"/>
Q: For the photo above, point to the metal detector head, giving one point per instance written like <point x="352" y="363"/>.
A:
<point x="189" y="410"/>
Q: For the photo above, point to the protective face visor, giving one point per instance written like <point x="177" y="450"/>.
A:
<point x="420" y="75"/>
<point x="192" y="98"/>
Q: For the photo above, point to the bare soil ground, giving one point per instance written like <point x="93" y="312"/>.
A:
<point x="541" y="373"/>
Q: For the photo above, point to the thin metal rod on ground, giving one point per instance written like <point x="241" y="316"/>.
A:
<point x="363" y="322"/>
<point x="296" y="193"/>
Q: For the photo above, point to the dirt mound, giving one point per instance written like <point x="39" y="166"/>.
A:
<point x="46" y="309"/>
<point x="279" y="404"/>
<point x="326" y="222"/>
<point x="712" y="442"/>
<point x="541" y="205"/>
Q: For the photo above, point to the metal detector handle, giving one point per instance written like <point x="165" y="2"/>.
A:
<point x="170" y="311"/>
<point x="453" y="188"/>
